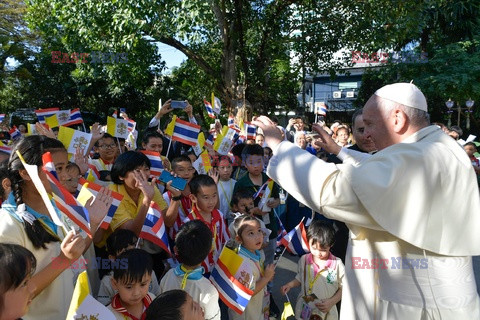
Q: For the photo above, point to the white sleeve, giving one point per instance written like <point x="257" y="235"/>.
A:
<point x="192" y="120"/>
<point x="154" y="122"/>
<point x="319" y="185"/>
<point x="353" y="157"/>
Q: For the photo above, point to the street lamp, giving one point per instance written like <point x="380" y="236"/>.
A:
<point x="449" y="105"/>
<point x="469" y="103"/>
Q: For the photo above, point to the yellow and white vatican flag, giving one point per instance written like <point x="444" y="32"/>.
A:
<point x="84" y="305"/>
<point x="117" y="127"/>
<point x="73" y="139"/>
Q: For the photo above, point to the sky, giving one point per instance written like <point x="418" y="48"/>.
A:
<point x="172" y="56"/>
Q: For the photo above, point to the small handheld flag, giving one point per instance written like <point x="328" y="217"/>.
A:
<point x="155" y="162"/>
<point x="44" y="113"/>
<point x="209" y="109"/>
<point x="154" y="229"/>
<point x="296" y="240"/>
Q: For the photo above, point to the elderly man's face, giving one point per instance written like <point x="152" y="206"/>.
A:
<point x="301" y="141"/>
<point x="361" y="139"/>
<point x="377" y="123"/>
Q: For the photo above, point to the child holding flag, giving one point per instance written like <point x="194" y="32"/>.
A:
<point x="192" y="245"/>
<point x="255" y="276"/>
<point x="320" y="275"/>
<point x="204" y="198"/>
<point x="25" y="220"/>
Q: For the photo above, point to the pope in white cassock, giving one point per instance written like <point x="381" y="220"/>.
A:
<point x="413" y="210"/>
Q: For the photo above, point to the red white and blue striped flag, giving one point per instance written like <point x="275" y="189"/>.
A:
<point x="250" y="130"/>
<point x="281" y="229"/>
<point x="154" y="229"/>
<point x="210" y="140"/>
<point x="14" y="133"/>
<point x="64" y="200"/>
<point x="232" y="292"/>
<point x="5" y="148"/>
<point x="296" y="240"/>
<point x="231" y="121"/>
<point x="2" y="117"/>
<point x="94" y="189"/>
<point x="186" y="132"/>
<point x="156" y="164"/>
<point x="131" y="125"/>
<point x="45" y="113"/>
<point x="75" y="118"/>
<point x="208" y="107"/>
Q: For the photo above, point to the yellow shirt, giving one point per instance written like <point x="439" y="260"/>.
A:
<point x="128" y="209"/>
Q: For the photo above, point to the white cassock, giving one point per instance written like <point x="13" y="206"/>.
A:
<point x="415" y="200"/>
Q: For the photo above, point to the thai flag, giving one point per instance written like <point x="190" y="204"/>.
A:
<point x="262" y="189"/>
<point x="233" y="293"/>
<point x="94" y="189"/>
<point x="75" y="118"/>
<point x="281" y="230"/>
<point x="210" y="140"/>
<point x="231" y="122"/>
<point x="241" y="139"/>
<point x="2" y="117"/>
<point x="296" y="240"/>
<point x="156" y="163"/>
<point x="93" y="174"/>
<point x="186" y="132"/>
<point x="131" y="125"/>
<point x="208" y="106"/>
<point x="250" y="130"/>
<point x="64" y="200"/>
<point x="45" y="113"/>
<point x="5" y="148"/>
<point x="14" y="133"/>
<point x="154" y="229"/>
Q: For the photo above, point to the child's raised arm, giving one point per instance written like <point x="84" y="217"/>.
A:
<point x="262" y="282"/>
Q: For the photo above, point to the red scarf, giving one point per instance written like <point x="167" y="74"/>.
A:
<point x="117" y="306"/>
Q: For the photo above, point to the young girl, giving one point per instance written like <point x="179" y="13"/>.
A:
<point x="16" y="289"/>
<point x="249" y="235"/>
<point x="25" y="220"/>
<point x="320" y="275"/>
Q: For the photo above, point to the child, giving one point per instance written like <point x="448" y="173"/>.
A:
<point x="73" y="174"/>
<point x="118" y="242"/>
<point x="174" y="305"/>
<point x="192" y="245"/>
<point x="132" y="279"/>
<point x="253" y="158"/>
<point x="204" y="200"/>
<point x="180" y="204"/>
<point x="470" y="148"/>
<point x="320" y="276"/>
<point x="225" y="186"/>
<point x="153" y="141"/>
<point x="25" y="220"/>
<point x="16" y="290"/>
<point x="249" y="236"/>
<point x="107" y="149"/>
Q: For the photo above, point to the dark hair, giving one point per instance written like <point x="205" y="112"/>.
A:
<point x="355" y="115"/>
<point x="201" y="180"/>
<point x="167" y="306"/>
<point x="470" y="144"/>
<point x="105" y="136"/>
<point x="119" y="240"/>
<point x="239" y="225"/>
<point x="4" y="174"/>
<point x="177" y="160"/>
<point x="193" y="242"/>
<point x="32" y="149"/>
<point x="139" y="263"/>
<point x="268" y="148"/>
<point x="238" y="149"/>
<point x="71" y="165"/>
<point x="151" y="134"/>
<point x="16" y="264"/>
<point x="127" y="161"/>
<point x="241" y="194"/>
<point x="321" y="233"/>
<point x="252" y="150"/>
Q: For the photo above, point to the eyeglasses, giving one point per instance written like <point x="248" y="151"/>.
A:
<point x="108" y="146"/>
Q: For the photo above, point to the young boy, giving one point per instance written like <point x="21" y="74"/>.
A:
<point x="470" y="148"/>
<point x="204" y="200"/>
<point x="192" y="245"/>
<point x="153" y="141"/>
<point x="182" y="167"/>
<point x="118" y="242"/>
<point x="107" y="149"/>
<point x="225" y="186"/>
<point x="132" y="279"/>
<point x="174" y="305"/>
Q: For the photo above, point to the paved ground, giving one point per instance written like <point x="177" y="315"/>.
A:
<point x="285" y="271"/>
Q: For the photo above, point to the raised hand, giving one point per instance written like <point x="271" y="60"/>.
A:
<point x="324" y="140"/>
<point x="146" y="187"/>
<point x="97" y="207"/>
<point x="273" y="135"/>
<point x="44" y="131"/>
<point x="96" y="132"/>
<point x="72" y="246"/>
<point x="166" y="108"/>
<point x="214" y="174"/>
<point x="81" y="160"/>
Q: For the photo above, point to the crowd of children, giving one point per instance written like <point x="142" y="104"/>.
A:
<point x="233" y="206"/>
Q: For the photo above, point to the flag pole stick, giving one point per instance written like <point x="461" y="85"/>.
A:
<point x="276" y="262"/>
<point x="138" y="242"/>
<point x="169" y="145"/>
